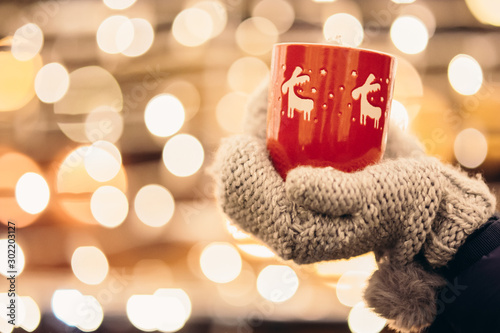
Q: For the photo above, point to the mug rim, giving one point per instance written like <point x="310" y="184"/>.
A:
<point x="353" y="48"/>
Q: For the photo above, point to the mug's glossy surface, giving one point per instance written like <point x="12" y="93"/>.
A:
<point x="328" y="106"/>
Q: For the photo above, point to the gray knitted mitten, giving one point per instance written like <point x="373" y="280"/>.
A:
<point x="403" y="205"/>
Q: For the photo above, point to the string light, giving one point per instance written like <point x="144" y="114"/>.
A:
<point x="102" y="161"/>
<point x="362" y="320"/>
<point x="183" y="155"/>
<point x="51" y="82"/>
<point x="220" y="262"/>
<point x="115" y="34"/>
<point x="343" y="28"/>
<point x="164" y="115"/>
<point x="465" y="74"/>
<point x="409" y="34"/>
<point x="486" y="11"/>
<point x="154" y="205"/>
<point x="32" y="193"/>
<point x="27" y="42"/>
<point x="89" y="264"/>
<point x="277" y="283"/>
<point x="471" y="148"/>
<point x="109" y="206"/>
<point x="143" y="38"/>
<point x="192" y="27"/>
<point x="77" y="310"/>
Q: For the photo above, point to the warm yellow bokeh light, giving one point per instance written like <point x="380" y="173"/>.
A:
<point x="75" y="309"/>
<point x="51" y="82"/>
<point x="183" y="155"/>
<point x="217" y="12"/>
<point x="350" y="287"/>
<point x="115" y="34"/>
<point x="192" y="27"/>
<point x="246" y="73"/>
<point x="166" y="310"/>
<point x="344" y="29"/>
<point x="102" y="161"/>
<point x="109" y="206"/>
<point x="19" y="257"/>
<point x="92" y="89"/>
<point x="164" y="115"/>
<point x="269" y="8"/>
<point x="119" y="4"/>
<point x="399" y="115"/>
<point x="403" y="1"/>
<point x="363" y="320"/>
<point x="104" y="124"/>
<point x="408" y="87"/>
<point x="409" y="34"/>
<point x="12" y="166"/>
<point x="336" y="268"/>
<point x="180" y="294"/>
<point x="154" y="205"/>
<point x="220" y="262"/>
<point x="465" y="74"/>
<point x="230" y="111"/>
<point x="89" y="264"/>
<point x="144" y="36"/>
<point x="32" y="314"/>
<point x="277" y="283"/>
<point x="187" y="94"/>
<point x="17" y="86"/>
<point x="27" y="42"/>
<point x="486" y="11"/>
<point x="32" y="193"/>
<point x="470" y="148"/>
<point x="256" y="250"/>
<point x="236" y="232"/>
<point x="256" y="35"/>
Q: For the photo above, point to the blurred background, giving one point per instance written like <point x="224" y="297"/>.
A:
<point x="110" y="114"/>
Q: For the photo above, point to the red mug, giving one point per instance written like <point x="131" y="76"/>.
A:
<point x="329" y="105"/>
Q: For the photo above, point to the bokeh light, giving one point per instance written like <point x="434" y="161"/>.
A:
<point x="336" y="268"/>
<point x="115" y="34"/>
<point x="240" y="291"/>
<point x="256" y="250"/>
<point x="465" y="74"/>
<point x="32" y="314"/>
<point x="192" y="27"/>
<point x="183" y="155"/>
<point x="269" y="8"/>
<point x="51" y="82"/>
<point x="89" y="264"/>
<point x="164" y="115"/>
<point x="485" y="11"/>
<point x="32" y="193"/>
<point x="403" y="1"/>
<point x="187" y="94"/>
<point x="256" y="35"/>
<point x="27" y="42"/>
<point x="20" y="258"/>
<point x="109" y="206"/>
<point x="167" y="310"/>
<point x="422" y="12"/>
<point x="119" y="4"/>
<point x="363" y="320"/>
<point x="350" y="287"/>
<point x="154" y="205"/>
<point x="344" y="29"/>
<point x="180" y="294"/>
<point x="220" y="262"/>
<point x="217" y="12"/>
<point x="102" y="161"/>
<point x="409" y="34"/>
<point x="277" y="283"/>
<point x="103" y="124"/>
<point x="408" y="87"/>
<point x="470" y="148"/>
<point x="91" y="89"/>
<point x="77" y="310"/>
<point x="17" y="81"/>
<point x="230" y="111"/>
<point x="12" y="166"/>
<point x="144" y="36"/>
<point x="246" y="73"/>
<point x="399" y="115"/>
<point x="75" y="187"/>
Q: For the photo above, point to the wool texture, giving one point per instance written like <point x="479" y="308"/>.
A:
<point x="407" y="204"/>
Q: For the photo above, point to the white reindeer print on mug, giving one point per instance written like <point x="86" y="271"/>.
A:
<point x="295" y="102"/>
<point x="367" y="109"/>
